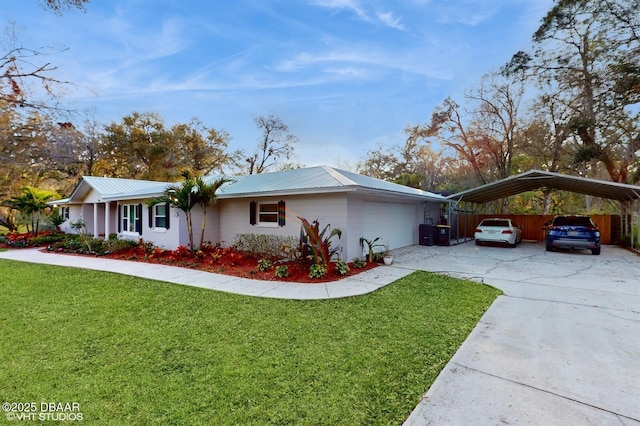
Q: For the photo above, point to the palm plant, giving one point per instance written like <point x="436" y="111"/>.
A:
<point x="182" y="197"/>
<point x="371" y="245"/>
<point x="185" y="196"/>
<point x="206" y="196"/>
<point x="32" y="202"/>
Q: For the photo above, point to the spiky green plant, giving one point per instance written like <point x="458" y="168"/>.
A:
<point x="315" y="244"/>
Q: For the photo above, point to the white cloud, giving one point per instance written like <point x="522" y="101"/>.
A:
<point x="387" y="19"/>
<point x="352" y="5"/>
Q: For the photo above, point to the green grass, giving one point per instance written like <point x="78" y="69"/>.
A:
<point x="135" y="351"/>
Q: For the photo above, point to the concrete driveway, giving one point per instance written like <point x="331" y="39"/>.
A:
<point x="561" y="347"/>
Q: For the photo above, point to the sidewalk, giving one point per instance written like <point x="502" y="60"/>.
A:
<point x="362" y="283"/>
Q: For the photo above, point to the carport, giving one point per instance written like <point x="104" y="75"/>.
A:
<point x="626" y="195"/>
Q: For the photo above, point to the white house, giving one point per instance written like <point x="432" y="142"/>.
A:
<point x="268" y="203"/>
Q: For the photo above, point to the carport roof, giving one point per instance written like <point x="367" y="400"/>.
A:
<point x="536" y="179"/>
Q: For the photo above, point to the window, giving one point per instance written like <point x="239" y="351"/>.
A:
<point x="64" y="213"/>
<point x="268" y="214"/>
<point x="160" y="216"/>
<point x="130" y="218"/>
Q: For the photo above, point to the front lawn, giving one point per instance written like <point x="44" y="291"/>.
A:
<point x="135" y="351"/>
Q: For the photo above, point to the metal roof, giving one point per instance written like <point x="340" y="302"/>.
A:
<point x="112" y="188"/>
<point x="537" y="179"/>
<point x="321" y="179"/>
<point x="315" y="180"/>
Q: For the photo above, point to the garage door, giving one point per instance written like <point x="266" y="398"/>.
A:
<point x="395" y="224"/>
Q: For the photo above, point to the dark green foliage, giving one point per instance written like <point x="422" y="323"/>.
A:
<point x="371" y="246"/>
<point x="342" y="268"/>
<point x="282" y="271"/>
<point x="359" y="263"/>
<point x="264" y="265"/>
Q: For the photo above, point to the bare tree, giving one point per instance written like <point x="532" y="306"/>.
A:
<point x="59" y="6"/>
<point x="276" y="143"/>
<point x="21" y="65"/>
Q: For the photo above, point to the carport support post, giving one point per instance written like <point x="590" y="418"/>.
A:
<point x="638" y="217"/>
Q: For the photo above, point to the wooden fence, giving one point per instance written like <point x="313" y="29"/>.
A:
<point x="533" y="226"/>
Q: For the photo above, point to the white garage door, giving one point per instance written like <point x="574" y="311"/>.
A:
<point x="393" y="223"/>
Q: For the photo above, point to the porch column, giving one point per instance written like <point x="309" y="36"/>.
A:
<point x="95" y="220"/>
<point x="106" y="220"/>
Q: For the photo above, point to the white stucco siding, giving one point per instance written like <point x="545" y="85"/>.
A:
<point x="354" y="229"/>
<point x="92" y="197"/>
<point x="327" y="208"/>
<point x="212" y="225"/>
<point x="167" y="239"/>
<point x="75" y="214"/>
<point x="396" y="224"/>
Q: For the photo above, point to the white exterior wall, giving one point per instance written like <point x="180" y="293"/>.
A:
<point x="168" y="239"/>
<point x="212" y="225"/>
<point x="75" y="213"/>
<point x="394" y="220"/>
<point x="177" y="234"/>
<point x="355" y="230"/>
<point x="395" y="223"/>
<point x="327" y="208"/>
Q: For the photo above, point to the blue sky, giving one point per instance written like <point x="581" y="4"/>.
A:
<point x="344" y="75"/>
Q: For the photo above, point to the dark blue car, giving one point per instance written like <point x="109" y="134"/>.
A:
<point x="573" y="232"/>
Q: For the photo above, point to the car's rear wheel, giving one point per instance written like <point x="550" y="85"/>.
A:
<point x="595" y="251"/>
<point x="549" y="248"/>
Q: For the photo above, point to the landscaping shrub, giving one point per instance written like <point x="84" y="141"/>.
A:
<point x="42" y="240"/>
<point x="282" y="271"/>
<point x="264" y="265"/>
<point x="317" y="270"/>
<point x="359" y="263"/>
<point x="342" y="268"/>
<point x="264" y="244"/>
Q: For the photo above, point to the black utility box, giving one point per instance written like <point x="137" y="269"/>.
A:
<point x="426" y="235"/>
<point x="444" y="234"/>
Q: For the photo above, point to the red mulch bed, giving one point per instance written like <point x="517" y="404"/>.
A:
<point x="226" y="261"/>
<point x="229" y="261"/>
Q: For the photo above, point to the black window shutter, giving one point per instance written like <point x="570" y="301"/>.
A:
<point x="151" y="216"/>
<point x="252" y="213"/>
<point x="139" y="219"/>
<point x="167" y="208"/>
<point x="119" y="218"/>
<point x="281" y="213"/>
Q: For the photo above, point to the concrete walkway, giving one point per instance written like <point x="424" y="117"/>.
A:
<point x="359" y="284"/>
<point x="561" y="347"/>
